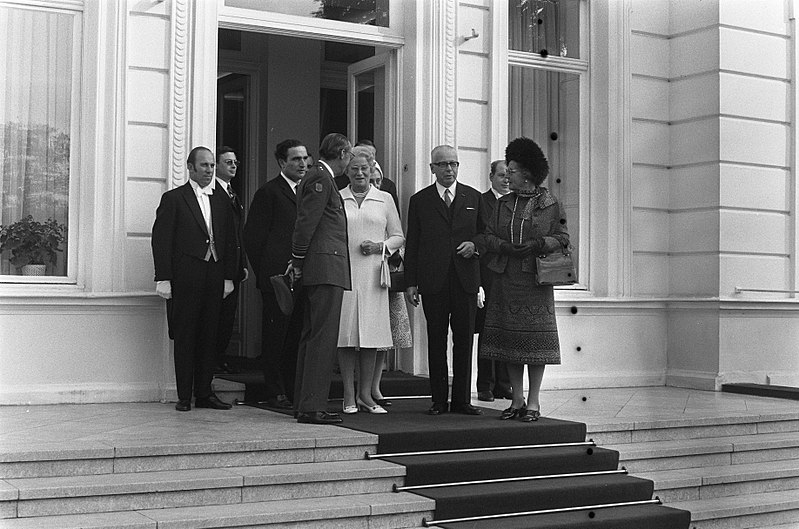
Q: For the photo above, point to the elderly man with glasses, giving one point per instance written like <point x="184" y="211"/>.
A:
<point x="442" y="267"/>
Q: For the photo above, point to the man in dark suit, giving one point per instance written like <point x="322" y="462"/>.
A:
<point x="320" y="258"/>
<point x="267" y="237"/>
<point x="226" y="166"/>
<point x="492" y="375"/>
<point x="441" y="265"/>
<point x="195" y="256"/>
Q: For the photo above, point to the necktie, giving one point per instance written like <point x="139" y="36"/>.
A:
<point x="447" y="199"/>
<point x="233" y="198"/>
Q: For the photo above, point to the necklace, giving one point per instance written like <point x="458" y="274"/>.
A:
<point x="512" y="218"/>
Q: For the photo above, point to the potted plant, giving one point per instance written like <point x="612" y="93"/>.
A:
<point x="32" y="244"/>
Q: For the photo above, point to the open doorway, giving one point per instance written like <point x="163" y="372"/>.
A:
<point x="273" y="87"/>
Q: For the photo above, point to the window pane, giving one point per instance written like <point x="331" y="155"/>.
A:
<point x="370" y="12"/>
<point x="545" y="106"/>
<point x="551" y="25"/>
<point x="35" y="109"/>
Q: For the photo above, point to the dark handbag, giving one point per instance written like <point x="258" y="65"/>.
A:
<point x="555" y="269"/>
<point x="397" y="272"/>
<point x="284" y="292"/>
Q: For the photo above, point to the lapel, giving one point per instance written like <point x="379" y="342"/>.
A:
<point x="460" y="202"/>
<point x="438" y="204"/>
<point x="285" y="189"/>
<point x="194" y="206"/>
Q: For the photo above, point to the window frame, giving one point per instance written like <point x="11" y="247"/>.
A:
<point x="76" y="10"/>
<point x="507" y="58"/>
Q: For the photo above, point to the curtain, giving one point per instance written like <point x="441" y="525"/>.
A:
<point x="36" y="58"/>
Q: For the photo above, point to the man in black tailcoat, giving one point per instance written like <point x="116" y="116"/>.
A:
<point x="195" y="257"/>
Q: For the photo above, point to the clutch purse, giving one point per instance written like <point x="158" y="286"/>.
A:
<point x="394" y="280"/>
<point x="555" y="269"/>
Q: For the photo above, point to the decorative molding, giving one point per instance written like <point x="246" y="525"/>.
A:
<point x="441" y="26"/>
<point x="179" y="102"/>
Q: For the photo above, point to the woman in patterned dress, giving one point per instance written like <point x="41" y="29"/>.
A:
<point x="520" y="326"/>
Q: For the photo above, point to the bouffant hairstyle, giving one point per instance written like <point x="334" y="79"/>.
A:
<point x="364" y="152"/>
<point x="526" y="153"/>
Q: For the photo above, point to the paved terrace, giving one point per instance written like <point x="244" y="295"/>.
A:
<point x="132" y="424"/>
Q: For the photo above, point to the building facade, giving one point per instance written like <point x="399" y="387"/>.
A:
<point x="670" y="126"/>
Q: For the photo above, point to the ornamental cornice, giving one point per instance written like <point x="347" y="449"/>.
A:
<point x="178" y="104"/>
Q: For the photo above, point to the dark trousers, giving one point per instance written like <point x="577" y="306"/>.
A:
<point x="280" y="338"/>
<point x="195" y="305"/>
<point x="453" y="308"/>
<point x="318" y="346"/>
<point x="227" y="318"/>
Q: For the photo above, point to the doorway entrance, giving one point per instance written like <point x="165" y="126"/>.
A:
<point x="273" y="87"/>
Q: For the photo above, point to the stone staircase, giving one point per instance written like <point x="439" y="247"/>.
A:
<point x="730" y="472"/>
<point x="297" y="483"/>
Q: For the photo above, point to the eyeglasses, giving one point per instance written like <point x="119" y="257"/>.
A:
<point x="444" y="165"/>
<point x="233" y="163"/>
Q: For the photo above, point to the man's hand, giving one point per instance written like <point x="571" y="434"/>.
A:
<point x="466" y="249"/>
<point x="412" y="296"/>
<point x="246" y="275"/>
<point x="481" y="298"/>
<point x="294" y="271"/>
<point x="164" y="289"/>
<point x="228" y="290"/>
<point x="369" y="247"/>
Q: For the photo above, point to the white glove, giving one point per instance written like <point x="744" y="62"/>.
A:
<point x="228" y="288"/>
<point x="246" y="275"/>
<point x="164" y="289"/>
<point x="481" y="298"/>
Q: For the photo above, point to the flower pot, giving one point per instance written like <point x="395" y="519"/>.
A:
<point x="34" y="270"/>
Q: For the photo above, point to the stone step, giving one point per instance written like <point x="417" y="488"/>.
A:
<point x="232" y="485"/>
<point x="92" y="458"/>
<point x="620" y="431"/>
<point x="361" y="511"/>
<point x="762" y="510"/>
<point x="716" y="451"/>
<point x="722" y="481"/>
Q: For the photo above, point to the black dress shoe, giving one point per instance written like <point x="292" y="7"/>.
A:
<point x="466" y="409"/>
<point x="280" y="402"/>
<point x="183" y="405"/>
<point x="213" y="402"/>
<point x="318" y="417"/>
<point x="383" y="402"/>
<point x="509" y="413"/>
<point x="485" y="396"/>
<point x="529" y="415"/>
<point x="507" y="395"/>
<point x="437" y="409"/>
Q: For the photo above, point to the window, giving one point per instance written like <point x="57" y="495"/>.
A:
<point x="38" y="51"/>
<point x="547" y="94"/>
<point x="369" y="12"/>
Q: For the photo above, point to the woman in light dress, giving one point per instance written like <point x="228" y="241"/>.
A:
<point x="373" y="228"/>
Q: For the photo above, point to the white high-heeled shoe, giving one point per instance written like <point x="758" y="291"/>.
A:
<point x="349" y="410"/>
<point x="377" y="408"/>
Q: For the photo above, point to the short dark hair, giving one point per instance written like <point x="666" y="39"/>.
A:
<point x="282" y="149"/>
<point x="526" y="153"/>
<point x="333" y="145"/>
<point x="494" y="165"/>
<point x="193" y="154"/>
<point x="368" y="143"/>
<point x="223" y="150"/>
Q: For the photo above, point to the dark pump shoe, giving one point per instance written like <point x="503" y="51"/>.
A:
<point x="529" y="415"/>
<point x="183" y="405"/>
<point x="280" y="402"/>
<point x="466" y="409"/>
<point x="212" y="402"/>
<point x="438" y="409"/>
<point x="319" y="417"/>
<point x="485" y="396"/>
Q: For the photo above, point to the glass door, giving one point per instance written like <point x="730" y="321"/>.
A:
<point x="371" y="108"/>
